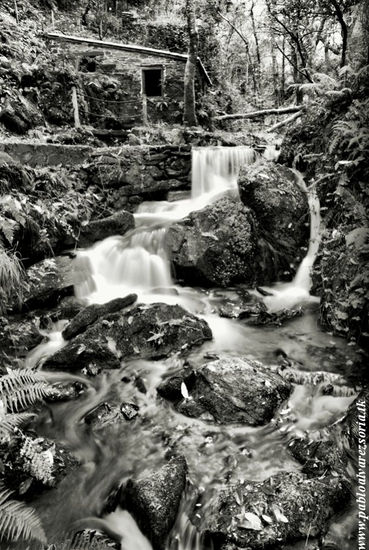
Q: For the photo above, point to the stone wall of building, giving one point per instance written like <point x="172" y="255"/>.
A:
<point x="112" y="83"/>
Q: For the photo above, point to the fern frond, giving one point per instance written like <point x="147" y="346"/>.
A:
<point x="11" y="421"/>
<point x="25" y="397"/>
<point x="18" y="521"/>
<point x="22" y="388"/>
<point x="17" y="379"/>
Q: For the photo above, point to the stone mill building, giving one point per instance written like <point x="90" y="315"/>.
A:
<point x="131" y="84"/>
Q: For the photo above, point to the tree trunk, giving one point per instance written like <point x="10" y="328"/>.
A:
<point x="257" y="69"/>
<point x="263" y="112"/>
<point x="296" y="74"/>
<point x="189" y="114"/>
<point x="283" y="76"/>
<point x="344" y="31"/>
<point x="276" y="93"/>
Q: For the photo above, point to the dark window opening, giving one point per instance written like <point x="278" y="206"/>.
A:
<point x="88" y="65"/>
<point x="152" y="82"/>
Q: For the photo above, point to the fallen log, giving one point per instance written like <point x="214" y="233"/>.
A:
<point x="284" y="122"/>
<point x="264" y="112"/>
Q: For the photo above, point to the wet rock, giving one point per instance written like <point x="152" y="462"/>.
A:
<point x="215" y="245"/>
<point x="247" y="305"/>
<point x="82" y="353"/>
<point x="356" y="414"/>
<point x="129" y="410"/>
<point x="154" y="500"/>
<point x="96" y="230"/>
<point x="318" y="457"/>
<point x="140" y="384"/>
<point x="31" y="464"/>
<point x="48" y="282"/>
<point x="65" y="391"/>
<point x="282" y="509"/>
<point x="68" y="308"/>
<point x="251" y="316"/>
<point x="92" y="313"/>
<point x="18" y="337"/>
<point x="91" y="370"/>
<point x="281" y="210"/>
<point x="92" y="539"/>
<point x="146" y="331"/>
<point x="343" y="266"/>
<point x="315" y="378"/>
<point x="228" y="390"/>
<point x="100" y="414"/>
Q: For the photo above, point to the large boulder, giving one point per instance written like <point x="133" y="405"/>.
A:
<point x="280" y="206"/>
<point x="215" y="245"/>
<point x="146" y="331"/>
<point x="282" y="509"/>
<point x="228" y="390"/>
<point x="154" y="500"/>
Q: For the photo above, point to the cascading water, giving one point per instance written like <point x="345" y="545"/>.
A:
<point x="215" y="169"/>
<point x="138" y="262"/>
<point x="298" y="291"/>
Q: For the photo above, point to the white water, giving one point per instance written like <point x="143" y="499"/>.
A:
<point x="139" y="261"/>
<point x="215" y="169"/>
<point x="297" y="292"/>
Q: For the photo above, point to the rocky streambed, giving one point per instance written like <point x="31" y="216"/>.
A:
<point x="183" y="417"/>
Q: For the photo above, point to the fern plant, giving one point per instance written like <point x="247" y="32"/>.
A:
<point x="10" y="422"/>
<point x="11" y="279"/>
<point x="18" y="521"/>
<point x="20" y="389"/>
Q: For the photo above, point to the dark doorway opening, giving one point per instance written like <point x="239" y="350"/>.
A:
<point x="152" y="82"/>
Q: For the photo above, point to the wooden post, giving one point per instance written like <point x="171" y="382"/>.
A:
<point x="144" y="109"/>
<point x="16" y="11"/>
<point x="77" y="122"/>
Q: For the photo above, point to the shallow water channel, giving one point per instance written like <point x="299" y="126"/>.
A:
<point x="216" y="455"/>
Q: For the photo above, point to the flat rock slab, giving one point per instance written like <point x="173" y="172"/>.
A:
<point x="228" y="390"/>
<point x="282" y="509"/>
<point x="147" y="331"/>
<point x="92" y="313"/>
<point x="154" y="500"/>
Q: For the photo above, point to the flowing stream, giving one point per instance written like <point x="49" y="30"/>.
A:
<point x="139" y="262"/>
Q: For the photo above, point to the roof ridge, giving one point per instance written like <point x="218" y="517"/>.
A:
<point x="126" y="47"/>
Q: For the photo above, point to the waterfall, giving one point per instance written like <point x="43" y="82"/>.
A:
<point x="215" y="169"/>
<point x="303" y="275"/>
<point x="298" y="291"/>
<point x="138" y="262"/>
